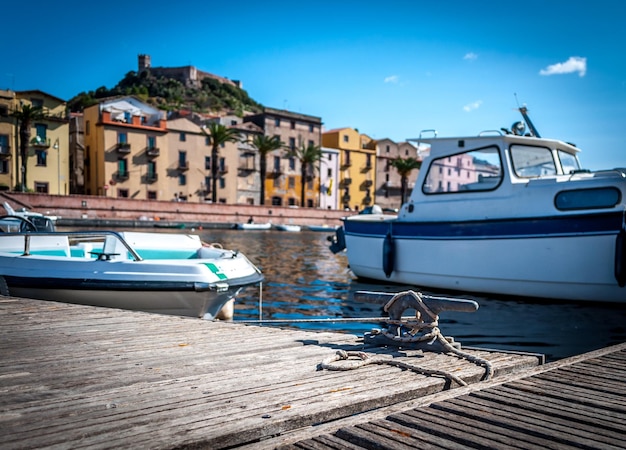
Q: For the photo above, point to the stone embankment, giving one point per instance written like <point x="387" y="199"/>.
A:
<point x="77" y="210"/>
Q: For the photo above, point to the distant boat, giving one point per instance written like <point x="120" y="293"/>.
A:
<point x="253" y="226"/>
<point x="321" y="227"/>
<point x="34" y="221"/>
<point x="288" y="227"/>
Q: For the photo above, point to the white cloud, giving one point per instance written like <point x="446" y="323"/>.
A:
<point x="472" y="106"/>
<point x="471" y="56"/>
<point x="573" y="64"/>
<point x="391" y="79"/>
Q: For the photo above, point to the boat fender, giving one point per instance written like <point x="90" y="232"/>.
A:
<point x="620" y="257"/>
<point x="338" y="242"/>
<point x="389" y="254"/>
<point x="4" y="288"/>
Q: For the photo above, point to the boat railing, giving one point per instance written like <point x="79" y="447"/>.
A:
<point x="80" y="236"/>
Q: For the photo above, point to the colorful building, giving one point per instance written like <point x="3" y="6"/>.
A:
<point x="388" y="192"/>
<point x="357" y="175"/>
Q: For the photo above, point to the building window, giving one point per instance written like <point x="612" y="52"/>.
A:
<point x="277" y="121"/>
<point x="151" y="142"/>
<point x="122" y="138"/>
<point x="292" y="143"/>
<point x="311" y="143"/>
<point x="292" y="163"/>
<point x="207" y="163"/>
<point x="330" y="156"/>
<point x="37" y="102"/>
<point x="277" y="182"/>
<point x="292" y="182"/>
<point x="182" y="137"/>
<point x="276" y="163"/>
<point x="151" y="170"/>
<point x="41" y="157"/>
<point x="152" y="195"/>
<point x="122" y="167"/>
<point x="4" y="166"/>
<point x="87" y="127"/>
<point x="122" y="193"/>
<point x="182" y="179"/>
<point x="406" y="152"/>
<point x="311" y="128"/>
<point x="345" y="138"/>
<point x="387" y="149"/>
<point x="42" y="131"/>
<point x="207" y="141"/>
<point x="182" y="159"/>
<point x="222" y="181"/>
<point x="207" y="184"/>
<point x="41" y="187"/>
<point x="329" y="173"/>
<point x="292" y="202"/>
<point x="127" y="117"/>
<point x="293" y="124"/>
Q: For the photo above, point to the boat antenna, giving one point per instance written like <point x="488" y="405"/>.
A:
<point x="524" y="111"/>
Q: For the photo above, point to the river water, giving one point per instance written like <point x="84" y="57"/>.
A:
<point x="305" y="280"/>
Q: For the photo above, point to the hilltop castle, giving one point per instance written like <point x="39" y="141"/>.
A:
<point x="190" y="76"/>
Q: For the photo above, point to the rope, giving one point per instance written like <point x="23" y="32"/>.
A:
<point x="419" y="331"/>
<point x="365" y="360"/>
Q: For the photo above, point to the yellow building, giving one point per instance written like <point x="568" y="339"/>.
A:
<point x="123" y="141"/>
<point x="357" y="175"/>
<point x="47" y="162"/>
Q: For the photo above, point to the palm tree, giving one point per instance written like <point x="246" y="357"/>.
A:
<point x="25" y="117"/>
<point x="218" y="135"/>
<point x="308" y="155"/>
<point x="405" y="166"/>
<point x="265" y="145"/>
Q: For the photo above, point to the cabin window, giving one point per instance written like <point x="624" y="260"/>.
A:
<point x="587" y="198"/>
<point x="569" y="162"/>
<point x="475" y="170"/>
<point x="532" y="162"/>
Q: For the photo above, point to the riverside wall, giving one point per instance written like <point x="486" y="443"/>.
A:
<point x="106" y="211"/>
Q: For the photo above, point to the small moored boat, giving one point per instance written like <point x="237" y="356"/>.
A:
<point x="288" y="227"/>
<point x="505" y="213"/>
<point x="174" y="274"/>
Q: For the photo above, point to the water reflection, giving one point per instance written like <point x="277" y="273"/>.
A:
<point x="304" y="280"/>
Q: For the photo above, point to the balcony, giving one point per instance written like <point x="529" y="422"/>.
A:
<point x="152" y="177"/>
<point x="367" y="200"/>
<point x="246" y="166"/>
<point x="40" y="143"/>
<point x="275" y="172"/>
<point x="345" y="182"/>
<point x="152" y="151"/>
<point x="123" y="147"/>
<point x="5" y="152"/>
<point x="345" y="164"/>
<point x="345" y="198"/>
<point x="366" y="168"/>
<point x="222" y="169"/>
<point x="122" y="175"/>
<point x="183" y="166"/>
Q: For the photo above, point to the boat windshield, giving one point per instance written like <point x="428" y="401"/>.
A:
<point x="531" y="162"/>
<point x="569" y="162"/>
<point x="474" y="170"/>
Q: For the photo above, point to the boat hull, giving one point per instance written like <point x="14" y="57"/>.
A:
<point x="569" y="265"/>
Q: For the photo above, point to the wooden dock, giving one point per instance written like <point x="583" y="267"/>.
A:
<point x="84" y="377"/>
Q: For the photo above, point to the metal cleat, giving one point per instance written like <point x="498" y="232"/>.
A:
<point x="421" y="331"/>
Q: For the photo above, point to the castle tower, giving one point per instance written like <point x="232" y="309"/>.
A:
<point x="143" y="63"/>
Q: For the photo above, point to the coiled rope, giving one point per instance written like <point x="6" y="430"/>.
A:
<point x="419" y="332"/>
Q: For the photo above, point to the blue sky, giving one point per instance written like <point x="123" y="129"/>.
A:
<point x="389" y="69"/>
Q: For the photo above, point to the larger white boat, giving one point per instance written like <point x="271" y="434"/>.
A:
<point x="506" y="213"/>
<point x="174" y="274"/>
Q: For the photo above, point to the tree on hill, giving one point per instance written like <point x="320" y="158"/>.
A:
<point x="170" y="94"/>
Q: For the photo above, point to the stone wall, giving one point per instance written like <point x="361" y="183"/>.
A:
<point x="106" y="208"/>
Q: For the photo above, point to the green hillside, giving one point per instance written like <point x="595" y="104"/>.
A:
<point x="170" y="94"/>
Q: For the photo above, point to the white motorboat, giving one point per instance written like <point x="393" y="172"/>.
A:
<point x="505" y="213"/>
<point x="254" y="226"/>
<point x="13" y="221"/>
<point x="321" y="228"/>
<point x="174" y="274"/>
<point x="288" y="227"/>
